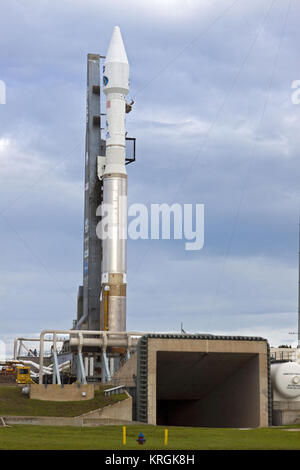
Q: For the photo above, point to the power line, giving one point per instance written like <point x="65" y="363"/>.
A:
<point x="38" y="180"/>
<point x="35" y="256"/>
<point x="219" y="111"/>
<point x="251" y="159"/>
<point x="189" y="44"/>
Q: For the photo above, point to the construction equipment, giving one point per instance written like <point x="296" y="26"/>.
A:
<point x="8" y="370"/>
<point x="23" y="375"/>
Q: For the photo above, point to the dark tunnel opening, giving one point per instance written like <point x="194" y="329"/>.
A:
<point x="208" y="389"/>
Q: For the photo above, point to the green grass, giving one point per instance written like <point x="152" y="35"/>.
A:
<point x="110" y="437"/>
<point x="14" y="403"/>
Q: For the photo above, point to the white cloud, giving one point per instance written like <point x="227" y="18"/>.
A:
<point x="26" y="174"/>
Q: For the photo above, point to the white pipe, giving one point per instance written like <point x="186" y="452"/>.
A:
<point x="80" y="341"/>
<point x="91" y="366"/>
<point x="82" y="320"/>
<point x="28" y="351"/>
<point x="20" y="348"/>
<point x="113" y="342"/>
<point x="54" y="342"/>
<point x="86" y="366"/>
<point x="31" y="340"/>
<point x="119" y="338"/>
<point x="15" y="348"/>
<point x="46" y="370"/>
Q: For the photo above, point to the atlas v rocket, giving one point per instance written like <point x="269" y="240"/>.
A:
<point x="113" y="285"/>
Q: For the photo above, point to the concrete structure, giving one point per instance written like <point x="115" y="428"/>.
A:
<point x="126" y="375"/>
<point x="284" y="354"/>
<point x="285" y="412"/>
<point x="194" y="380"/>
<point x="53" y="392"/>
<point x="118" y="413"/>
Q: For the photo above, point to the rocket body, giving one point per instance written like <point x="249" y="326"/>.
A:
<point x="116" y="87"/>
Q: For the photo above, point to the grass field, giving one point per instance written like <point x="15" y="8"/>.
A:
<point x="110" y="437"/>
<point x="27" y="437"/>
<point x="14" y="403"/>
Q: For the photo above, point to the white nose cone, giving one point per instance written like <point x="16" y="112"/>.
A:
<point x="116" y="50"/>
<point x="116" y="67"/>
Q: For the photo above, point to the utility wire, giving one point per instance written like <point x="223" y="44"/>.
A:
<point x="225" y="101"/>
<point x="219" y="111"/>
<point x="20" y="196"/>
<point x="189" y="44"/>
<point x="21" y="239"/>
<point x="251" y="160"/>
<point x="35" y="256"/>
<point x="38" y="180"/>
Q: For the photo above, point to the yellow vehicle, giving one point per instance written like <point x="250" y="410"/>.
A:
<point x="23" y="375"/>
<point x="8" y="370"/>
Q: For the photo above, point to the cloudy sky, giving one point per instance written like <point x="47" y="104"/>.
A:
<point x="215" y="124"/>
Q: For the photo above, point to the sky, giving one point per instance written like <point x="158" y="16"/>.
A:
<point x="215" y="124"/>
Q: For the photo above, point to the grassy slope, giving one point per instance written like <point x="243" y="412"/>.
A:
<point x="14" y="403"/>
<point x="110" y="437"/>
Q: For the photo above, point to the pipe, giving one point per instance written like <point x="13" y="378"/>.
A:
<point x="46" y="370"/>
<point x="104" y="346"/>
<point x="80" y="341"/>
<point x="54" y="342"/>
<point x="86" y="366"/>
<point x="15" y="347"/>
<point x="20" y="348"/>
<point x="16" y="340"/>
<point x="129" y="346"/>
<point x="91" y="366"/>
<point x="119" y="338"/>
<point x="106" y="291"/>
<point x="111" y="342"/>
<point x="41" y="357"/>
<point x="82" y="320"/>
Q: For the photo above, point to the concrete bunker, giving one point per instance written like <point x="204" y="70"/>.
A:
<point x="203" y="381"/>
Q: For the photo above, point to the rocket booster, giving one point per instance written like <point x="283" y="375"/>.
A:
<point x="115" y="87"/>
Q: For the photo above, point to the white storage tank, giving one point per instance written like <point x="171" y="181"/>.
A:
<point x="286" y="381"/>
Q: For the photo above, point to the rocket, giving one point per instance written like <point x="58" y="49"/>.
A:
<point x="115" y="87"/>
